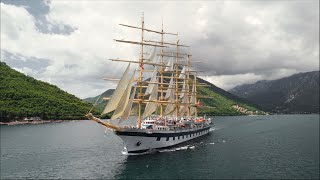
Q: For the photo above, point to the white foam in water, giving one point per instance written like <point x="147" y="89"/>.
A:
<point x="212" y="129"/>
<point x="167" y="150"/>
<point x="211" y="143"/>
<point x="184" y="147"/>
<point x="223" y="141"/>
<point x="177" y="149"/>
<point x="124" y="152"/>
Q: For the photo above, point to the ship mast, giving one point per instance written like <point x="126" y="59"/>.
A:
<point x="161" y="73"/>
<point x="176" y="78"/>
<point x="140" y="74"/>
<point x="188" y="84"/>
<point x="195" y="94"/>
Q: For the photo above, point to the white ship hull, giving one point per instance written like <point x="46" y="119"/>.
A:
<point x="143" y="140"/>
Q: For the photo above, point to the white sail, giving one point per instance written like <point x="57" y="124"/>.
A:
<point x="171" y="106"/>
<point x="115" y="98"/>
<point x="153" y="54"/>
<point x="183" y="108"/>
<point x="153" y="79"/>
<point x="123" y="101"/>
<point x="151" y="106"/>
<point x="184" y="91"/>
<point x="183" y="73"/>
<point x="193" y="100"/>
<point x="169" y="65"/>
<point x="127" y="111"/>
<point x="170" y="88"/>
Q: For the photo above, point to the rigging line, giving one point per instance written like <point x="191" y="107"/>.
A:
<point x="95" y="103"/>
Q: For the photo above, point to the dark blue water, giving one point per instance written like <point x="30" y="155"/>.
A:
<point x="278" y="146"/>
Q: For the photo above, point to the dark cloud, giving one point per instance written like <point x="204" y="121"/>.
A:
<point x="286" y="40"/>
<point x="39" y="9"/>
<point x="18" y="61"/>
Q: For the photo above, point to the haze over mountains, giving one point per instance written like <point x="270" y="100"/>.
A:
<point x="298" y="93"/>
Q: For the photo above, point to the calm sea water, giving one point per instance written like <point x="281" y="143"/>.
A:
<point x="277" y="146"/>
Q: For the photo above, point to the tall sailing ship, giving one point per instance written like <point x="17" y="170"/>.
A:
<point x="166" y="103"/>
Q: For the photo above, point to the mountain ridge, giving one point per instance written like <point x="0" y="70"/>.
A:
<point x="298" y="93"/>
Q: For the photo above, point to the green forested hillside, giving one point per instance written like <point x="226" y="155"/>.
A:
<point x="23" y="96"/>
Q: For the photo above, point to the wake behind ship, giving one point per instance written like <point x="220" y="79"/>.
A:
<point x="166" y="103"/>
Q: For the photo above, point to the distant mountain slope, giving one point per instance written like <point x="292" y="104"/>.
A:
<point x="100" y="103"/>
<point x="221" y="102"/>
<point x="298" y="93"/>
<point x="23" y="96"/>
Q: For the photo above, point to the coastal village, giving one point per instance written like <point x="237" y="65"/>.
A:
<point x="30" y="120"/>
<point x="246" y="111"/>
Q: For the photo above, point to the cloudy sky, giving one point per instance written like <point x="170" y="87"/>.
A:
<point x="67" y="43"/>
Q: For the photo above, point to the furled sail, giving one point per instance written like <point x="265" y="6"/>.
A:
<point x="115" y="98"/>
<point x="151" y="106"/>
<point x="127" y="111"/>
<point x="169" y="91"/>
<point x="123" y="101"/>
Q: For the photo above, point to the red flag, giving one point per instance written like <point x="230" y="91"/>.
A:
<point x="141" y="65"/>
<point x="199" y="103"/>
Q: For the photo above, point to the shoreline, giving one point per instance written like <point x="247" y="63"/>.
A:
<point x="12" y="123"/>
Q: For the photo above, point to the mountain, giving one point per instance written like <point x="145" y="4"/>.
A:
<point x="23" y="96"/>
<point x="100" y="102"/>
<point x="298" y="93"/>
<point x="222" y="102"/>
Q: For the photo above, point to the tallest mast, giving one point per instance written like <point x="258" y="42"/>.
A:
<point x="161" y="72"/>
<point x="140" y="74"/>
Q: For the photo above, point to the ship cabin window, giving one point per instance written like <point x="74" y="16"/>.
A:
<point x="158" y="138"/>
<point x="174" y="137"/>
<point x="178" y="137"/>
<point x="190" y="135"/>
<point x="182" y="136"/>
<point x="167" y="139"/>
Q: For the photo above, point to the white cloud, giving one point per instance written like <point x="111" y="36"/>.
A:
<point x="247" y="41"/>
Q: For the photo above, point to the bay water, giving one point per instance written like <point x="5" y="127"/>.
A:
<point x="275" y="146"/>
